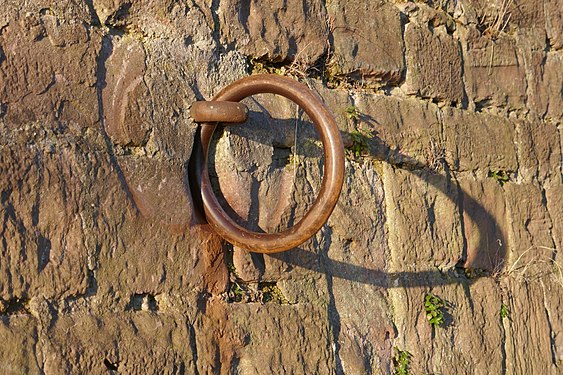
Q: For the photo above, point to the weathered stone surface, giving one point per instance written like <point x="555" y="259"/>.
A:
<point x="554" y="195"/>
<point x="349" y="220"/>
<point x="103" y="265"/>
<point x="493" y="74"/>
<point x="539" y="152"/>
<point x="357" y="259"/>
<point x="527" y="14"/>
<point x="530" y="238"/>
<point x="485" y="224"/>
<point x="165" y="259"/>
<point x="364" y="340"/>
<point x="271" y="343"/>
<point x="552" y="287"/>
<point x="83" y="343"/>
<point x="554" y="22"/>
<point x="338" y="101"/>
<point x="529" y="320"/>
<point x="532" y="55"/>
<point x="472" y="316"/>
<point x="156" y="18"/>
<point x="434" y="64"/>
<point x="48" y="70"/>
<point x="125" y="94"/>
<point x="78" y="11"/>
<point x="496" y="16"/>
<point x="423" y="220"/>
<point x="433" y="15"/>
<point x="45" y="206"/>
<point x="403" y="130"/>
<point x="159" y="191"/>
<point x="478" y="142"/>
<point x="366" y="47"/>
<point x="19" y="345"/>
<point x="294" y="31"/>
<point x="546" y="98"/>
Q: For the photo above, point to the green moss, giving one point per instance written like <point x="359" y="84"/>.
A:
<point x="271" y="293"/>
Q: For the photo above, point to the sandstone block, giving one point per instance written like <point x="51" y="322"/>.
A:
<point x="554" y="195"/>
<point x="434" y="65"/>
<point x="82" y="343"/>
<point x="468" y="340"/>
<point x="293" y="31"/>
<point x="367" y="41"/>
<point x="365" y="340"/>
<point x="526" y="305"/>
<point x="493" y="74"/>
<point x="338" y="101"/>
<point x="530" y="239"/>
<point x="356" y="261"/>
<point x="19" y="354"/>
<point x="45" y="206"/>
<point x="479" y="141"/>
<point x="404" y="130"/>
<point x="547" y="79"/>
<point x="527" y="14"/>
<point x="485" y="224"/>
<point x="167" y="258"/>
<point x="554" y="22"/>
<point x="423" y="220"/>
<point x="552" y="287"/>
<point x="177" y="75"/>
<point x="364" y="249"/>
<point x="296" y="338"/>
<point x="135" y="88"/>
<point x="48" y="71"/>
<point x="148" y="19"/>
<point x="159" y="190"/>
<point x="57" y="231"/>
<point x="539" y="152"/>
<point x="125" y="95"/>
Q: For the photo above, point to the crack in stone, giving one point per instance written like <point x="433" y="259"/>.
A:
<point x="553" y="346"/>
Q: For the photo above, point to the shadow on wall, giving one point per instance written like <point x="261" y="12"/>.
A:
<point x="485" y="259"/>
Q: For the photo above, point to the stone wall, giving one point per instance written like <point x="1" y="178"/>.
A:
<point x="451" y="113"/>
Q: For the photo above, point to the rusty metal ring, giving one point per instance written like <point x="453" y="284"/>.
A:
<point x="333" y="178"/>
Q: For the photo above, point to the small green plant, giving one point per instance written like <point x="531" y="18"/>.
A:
<point x="236" y="292"/>
<point x="352" y="112"/>
<point x="433" y="306"/>
<point x="500" y="176"/>
<point x="230" y="264"/>
<point x="504" y="312"/>
<point x="358" y="143"/>
<point x="401" y="361"/>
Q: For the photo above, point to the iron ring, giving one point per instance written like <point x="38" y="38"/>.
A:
<point x="333" y="150"/>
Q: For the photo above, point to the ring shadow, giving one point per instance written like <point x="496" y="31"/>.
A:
<point x="483" y="262"/>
